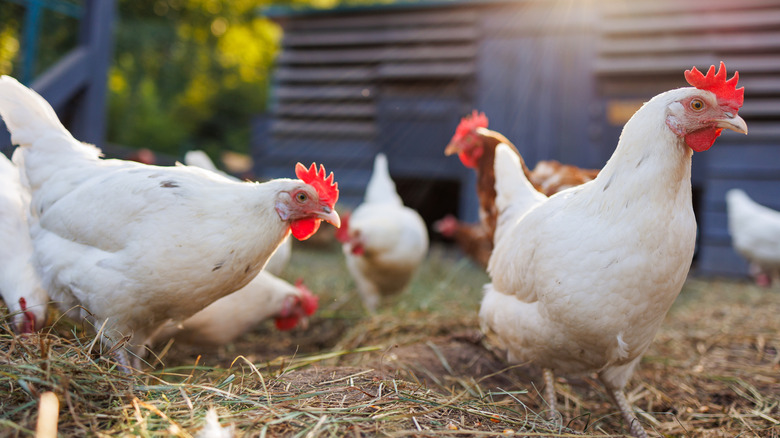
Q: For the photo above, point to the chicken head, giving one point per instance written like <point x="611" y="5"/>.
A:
<point x="308" y="205"/>
<point x="701" y="116"/>
<point x="297" y="308"/>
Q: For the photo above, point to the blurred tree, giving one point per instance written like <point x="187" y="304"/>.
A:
<point x="187" y="74"/>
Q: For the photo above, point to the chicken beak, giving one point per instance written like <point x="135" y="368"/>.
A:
<point x="330" y="216"/>
<point x="452" y="148"/>
<point x="735" y="123"/>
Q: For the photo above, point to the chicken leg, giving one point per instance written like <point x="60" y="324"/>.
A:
<point x="549" y="394"/>
<point x="619" y="398"/>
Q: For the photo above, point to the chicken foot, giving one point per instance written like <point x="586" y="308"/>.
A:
<point x="619" y="398"/>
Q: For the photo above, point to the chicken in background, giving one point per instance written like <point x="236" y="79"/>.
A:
<point x="550" y="176"/>
<point x="582" y="280"/>
<point x="472" y="239"/>
<point x="139" y="245"/>
<point x="755" y="234"/>
<point x="383" y="241"/>
<point x="475" y="146"/>
<point x="224" y="320"/>
<point x="20" y="285"/>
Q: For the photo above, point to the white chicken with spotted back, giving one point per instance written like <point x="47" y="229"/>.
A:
<point x="582" y="280"/>
<point x="138" y="245"/>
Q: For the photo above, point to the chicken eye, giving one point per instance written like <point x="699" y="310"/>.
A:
<point x="697" y="105"/>
<point x="301" y="197"/>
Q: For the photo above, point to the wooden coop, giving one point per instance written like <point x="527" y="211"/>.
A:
<point x="558" y="77"/>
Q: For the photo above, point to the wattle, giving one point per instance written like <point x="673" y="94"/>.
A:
<point x="286" y="322"/>
<point x="302" y="229"/>
<point x="469" y="159"/>
<point x="702" y="139"/>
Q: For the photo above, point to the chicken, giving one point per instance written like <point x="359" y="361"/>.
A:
<point x="475" y="146"/>
<point x="138" y="245"/>
<point x="383" y="241"/>
<point x="472" y="239"/>
<point x="755" y="234"/>
<point x="19" y="283"/>
<point x="582" y="280"/>
<point x="224" y="320"/>
<point x="550" y="176"/>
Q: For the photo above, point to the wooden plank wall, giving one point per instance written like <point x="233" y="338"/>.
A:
<point x="645" y="45"/>
<point x="535" y="81"/>
<point x="352" y="84"/>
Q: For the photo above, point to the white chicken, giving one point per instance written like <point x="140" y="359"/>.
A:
<point x="264" y="297"/>
<point x="19" y="283"/>
<point x="138" y="245"/>
<point x="582" y="280"/>
<point x="224" y="320"/>
<point x="755" y="234"/>
<point x="383" y="241"/>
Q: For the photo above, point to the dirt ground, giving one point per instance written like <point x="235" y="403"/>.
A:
<point x="713" y="370"/>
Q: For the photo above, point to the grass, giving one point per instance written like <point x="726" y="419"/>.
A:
<point x="418" y="368"/>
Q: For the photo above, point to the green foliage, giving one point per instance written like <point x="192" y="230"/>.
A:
<point x="189" y="74"/>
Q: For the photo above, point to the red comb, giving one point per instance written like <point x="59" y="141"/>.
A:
<point x="470" y="123"/>
<point x="326" y="187"/>
<point x="725" y="90"/>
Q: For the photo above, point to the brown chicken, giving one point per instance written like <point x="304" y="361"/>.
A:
<point x="476" y="146"/>
<point x="472" y="239"/>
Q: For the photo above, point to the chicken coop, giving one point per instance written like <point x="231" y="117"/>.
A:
<point x="558" y="77"/>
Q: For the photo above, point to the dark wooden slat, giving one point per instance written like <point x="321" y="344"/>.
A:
<point x="351" y="56"/>
<point x="760" y="108"/>
<point x="746" y="161"/>
<point x="759" y="131"/>
<point x="426" y="70"/>
<point x="764" y="192"/>
<point x="761" y="84"/>
<point x="721" y="259"/>
<point x="372" y="37"/>
<point x="329" y="92"/>
<point x="299" y="128"/>
<point x="385" y="19"/>
<point x="643" y="65"/>
<point x="348" y="74"/>
<point x="665" y="43"/>
<point x="613" y="9"/>
<point x="60" y="83"/>
<point x="709" y="22"/>
<point x="326" y="110"/>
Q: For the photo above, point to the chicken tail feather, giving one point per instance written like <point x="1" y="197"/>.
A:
<point x="27" y="114"/>
<point x="381" y="188"/>
<point x="515" y="195"/>
<point x="44" y="142"/>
